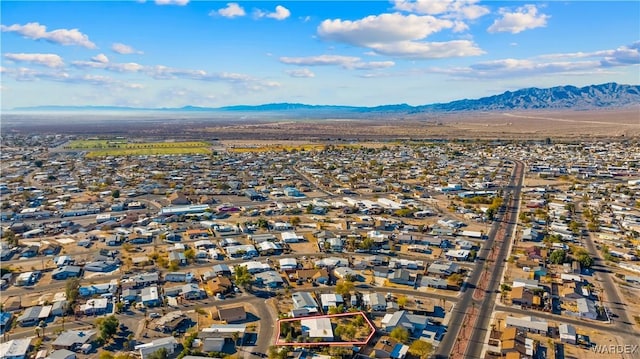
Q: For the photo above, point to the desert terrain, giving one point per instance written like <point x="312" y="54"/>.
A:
<point x="530" y="125"/>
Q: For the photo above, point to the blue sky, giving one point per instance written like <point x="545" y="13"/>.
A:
<point x="172" y="53"/>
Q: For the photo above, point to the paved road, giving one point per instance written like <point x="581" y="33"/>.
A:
<point x="466" y="300"/>
<point x="487" y="305"/>
<point x="604" y="275"/>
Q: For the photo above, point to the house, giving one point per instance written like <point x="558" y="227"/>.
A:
<point x="587" y="308"/>
<point x="381" y="271"/>
<point x="567" y="333"/>
<point x="101" y="266"/>
<point x="168" y="343"/>
<point x="304" y="300"/>
<point x="414" y="323"/>
<point x="532" y="235"/>
<point x="440" y="269"/>
<point x="402" y="276"/>
<point x="242" y="251"/>
<point x="458" y="255"/>
<point x="512" y="343"/>
<point x="61" y="354"/>
<point x="178" y="277"/>
<point x="58" y="308"/>
<point x="169" y="322"/>
<point x="433" y="282"/>
<point x="389" y="348"/>
<point x="527" y="283"/>
<point x="65" y="272"/>
<point x="27" y="278"/>
<point x="141" y="280"/>
<point x="74" y="339"/>
<point x="218" y="285"/>
<point x="291" y="237"/>
<point x="177" y="257"/>
<point x="522" y="296"/>
<point x="178" y="199"/>
<point x="222" y="270"/>
<point x="329" y="300"/>
<point x="259" y="238"/>
<point x="232" y="314"/>
<point x="345" y="273"/>
<point x="269" y="248"/>
<point x="320" y="328"/>
<point x="288" y="264"/>
<point x="528" y="324"/>
<point x="191" y="291"/>
<point x="15" y="348"/>
<point x="95" y="306"/>
<point x="331" y="262"/>
<point x="375" y="301"/>
<point x="270" y="279"/>
<point x="5" y="321"/>
<point x="214" y="337"/>
<point x="318" y="275"/>
<point x="33" y="315"/>
<point x="149" y="296"/>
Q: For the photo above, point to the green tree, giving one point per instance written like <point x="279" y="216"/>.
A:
<point x="161" y="353"/>
<point x="71" y="286"/>
<point x="294" y="221"/>
<point x="400" y="334"/>
<point x="335" y="310"/>
<point x="366" y="243"/>
<point x="420" y="348"/>
<point x="10" y="237"/>
<point x="585" y="260"/>
<point x="344" y="288"/>
<point x="242" y="277"/>
<point x="38" y="163"/>
<point x="402" y="301"/>
<point x="190" y="255"/>
<point x="115" y="193"/>
<point x="107" y="327"/>
<point x="174" y="265"/>
<point x="558" y="256"/>
<point x="455" y="279"/>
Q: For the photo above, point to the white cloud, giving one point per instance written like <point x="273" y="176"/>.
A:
<point x="242" y="81"/>
<point x="623" y="55"/>
<point x="101" y="58"/>
<point x="172" y="2"/>
<point x="102" y="62"/>
<point x="302" y="73"/>
<point x="49" y="60"/>
<point x="429" y="50"/>
<point x="400" y="35"/>
<point x="35" y="31"/>
<point x="280" y="13"/>
<point x="26" y="74"/>
<point x="346" y="62"/>
<point x="573" y="63"/>
<point x="232" y="10"/>
<point x="524" y="18"/>
<point x="124" y="49"/>
<point x="384" y="28"/>
<point x="459" y="9"/>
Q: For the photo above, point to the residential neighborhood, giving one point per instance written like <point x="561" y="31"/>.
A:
<point x="254" y="252"/>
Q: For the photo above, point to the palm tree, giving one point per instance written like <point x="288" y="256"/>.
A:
<point x="235" y="336"/>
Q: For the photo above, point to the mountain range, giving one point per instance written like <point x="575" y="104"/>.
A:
<point x="608" y="95"/>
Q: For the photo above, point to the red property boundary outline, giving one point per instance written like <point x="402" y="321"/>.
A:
<point x="353" y="314"/>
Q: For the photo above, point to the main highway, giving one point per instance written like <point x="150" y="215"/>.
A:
<point x="512" y="193"/>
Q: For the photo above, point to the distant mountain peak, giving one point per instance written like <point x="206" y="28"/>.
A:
<point x="607" y="95"/>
